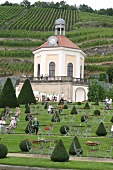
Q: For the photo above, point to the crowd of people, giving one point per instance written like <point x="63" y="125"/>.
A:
<point x="8" y="116"/>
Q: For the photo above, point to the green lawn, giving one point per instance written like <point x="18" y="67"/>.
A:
<point x="12" y="140"/>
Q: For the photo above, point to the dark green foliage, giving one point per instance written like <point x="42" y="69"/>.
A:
<point x="8" y="96"/>
<point x="43" y="102"/>
<point x="59" y="153"/>
<point x="55" y="117"/>
<point x="28" y="117"/>
<point x="103" y="77"/>
<point x="65" y="107"/>
<point x="78" y="103"/>
<point x="87" y="106"/>
<point x="101" y="131"/>
<point x="28" y="127"/>
<point x="3" y="151"/>
<point x="73" y="111"/>
<point x="109" y="72"/>
<point x="82" y="119"/>
<point x="27" y="110"/>
<point x="59" y="103"/>
<point x="62" y="129"/>
<point x="97" y="91"/>
<point x="97" y="112"/>
<point x="111" y="119"/>
<point x="71" y="149"/>
<point x="3" y="114"/>
<point x="23" y="146"/>
<point x="46" y="105"/>
<point x="26" y="94"/>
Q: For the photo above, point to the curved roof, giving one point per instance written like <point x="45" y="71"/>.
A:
<point x="62" y="42"/>
<point x="60" y="21"/>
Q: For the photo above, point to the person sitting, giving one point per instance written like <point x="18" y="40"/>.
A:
<point x="12" y="125"/>
<point x="35" y="125"/>
<point x="2" y="123"/>
<point x="69" y="101"/>
<point x="17" y="115"/>
<point x="50" y="109"/>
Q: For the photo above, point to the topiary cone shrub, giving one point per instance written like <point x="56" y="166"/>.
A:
<point x="46" y="105"/>
<point x="101" y="131"/>
<point x="59" y="103"/>
<point x="73" y="111"/>
<point x="27" y="110"/>
<point x="55" y="117"/>
<point x="87" y="106"/>
<point x="82" y="119"/>
<point x="71" y="149"/>
<point x="78" y="103"/>
<point x="111" y="119"/>
<point x="62" y="129"/>
<point x="65" y="107"/>
<point x="23" y="146"/>
<point x="26" y="94"/>
<point x="59" y="153"/>
<point x="3" y="151"/>
<point x="97" y="112"/>
<point x="28" y="127"/>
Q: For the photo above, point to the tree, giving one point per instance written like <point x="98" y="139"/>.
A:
<point x="78" y="146"/>
<point x="85" y="8"/>
<point x="74" y="111"/>
<point x="26" y="94"/>
<point x="86" y="106"/>
<point x="97" y="91"/>
<point x="59" y="153"/>
<point x="8" y="96"/>
<point x="7" y="4"/>
<point x="102" y="77"/>
<point x="101" y="131"/>
<point x="26" y="4"/>
<point x="109" y="72"/>
<point x="55" y="117"/>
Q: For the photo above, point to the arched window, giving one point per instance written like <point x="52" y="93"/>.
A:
<point x="52" y="69"/>
<point x="70" y="70"/>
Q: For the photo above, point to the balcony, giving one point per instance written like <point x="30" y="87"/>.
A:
<point x="55" y="79"/>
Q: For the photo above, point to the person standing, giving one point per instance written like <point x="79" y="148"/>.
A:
<point x="106" y="103"/>
<point x="35" y="125"/>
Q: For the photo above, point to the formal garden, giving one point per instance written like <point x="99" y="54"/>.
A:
<point x="71" y="132"/>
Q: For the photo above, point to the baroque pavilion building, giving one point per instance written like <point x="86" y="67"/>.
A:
<point x="59" y="67"/>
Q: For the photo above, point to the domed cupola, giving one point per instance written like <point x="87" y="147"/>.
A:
<point x="60" y="27"/>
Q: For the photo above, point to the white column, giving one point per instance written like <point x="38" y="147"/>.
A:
<point x="77" y="66"/>
<point x="35" y="66"/>
<point x="83" y="68"/>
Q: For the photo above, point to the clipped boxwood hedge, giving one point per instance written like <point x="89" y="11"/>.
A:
<point x="62" y="129"/>
<point x="3" y="151"/>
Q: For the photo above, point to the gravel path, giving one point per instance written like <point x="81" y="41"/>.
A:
<point x="87" y="159"/>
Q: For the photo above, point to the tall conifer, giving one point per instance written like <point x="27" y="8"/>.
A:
<point x="8" y="96"/>
<point x="26" y="94"/>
